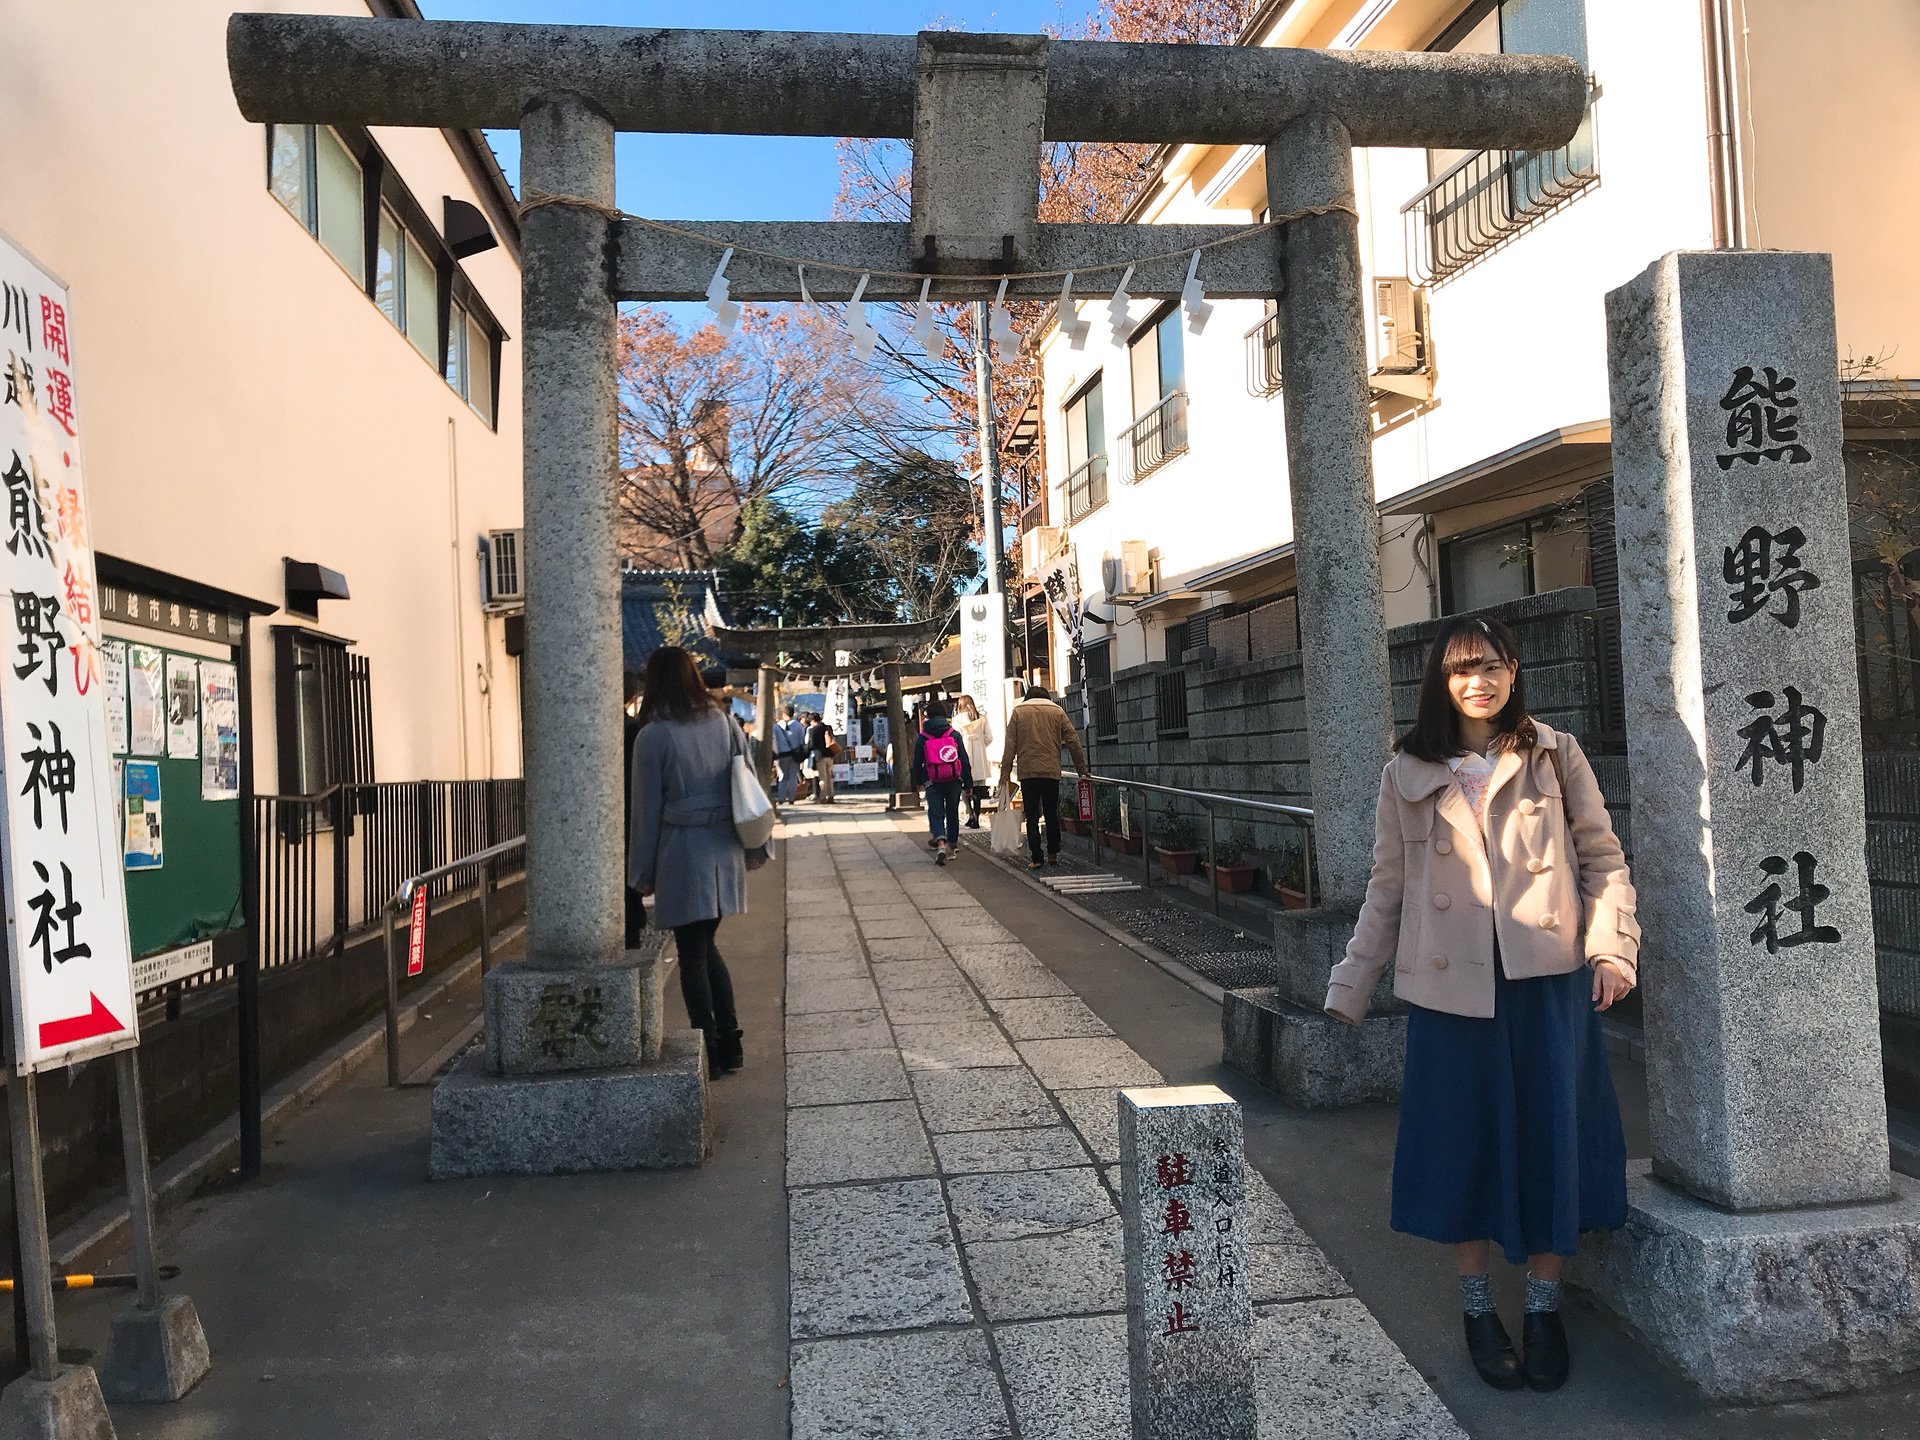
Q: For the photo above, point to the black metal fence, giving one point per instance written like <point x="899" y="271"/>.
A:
<point x="328" y="862"/>
<point x="1487" y="198"/>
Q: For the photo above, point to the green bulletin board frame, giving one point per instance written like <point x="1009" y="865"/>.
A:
<point x="196" y="893"/>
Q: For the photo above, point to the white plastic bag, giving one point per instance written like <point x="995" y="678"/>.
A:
<point x="1005" y="834"/>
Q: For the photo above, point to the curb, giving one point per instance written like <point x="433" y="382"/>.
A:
<point x="102" y="1231"/>
<point x="1152" y="954"/>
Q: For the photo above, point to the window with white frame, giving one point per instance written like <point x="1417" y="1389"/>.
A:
<point x="313" y="173"/>
<point x="470" y="363"/>
<point x="1156" y="360"/>
<point x="405" y="286"/>
<point x="1086" y="483"/>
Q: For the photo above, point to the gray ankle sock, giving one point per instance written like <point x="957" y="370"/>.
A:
<point x="1543" y="1296"/>
<point x="1476" y="1294"/>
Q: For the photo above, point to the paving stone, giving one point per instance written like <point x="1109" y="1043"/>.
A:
<point x="953" y="1045"/>
<point x="1096" y="1115"/>
<point x="999" y="1099"/>
<point x="1021" y="1204"/>
<point x="1325" y="1370"/>
<point x="1074" y="1272"/>
<point x="1068" y="1377"/>
<point x="972" y="1152"/>
<point x="1012" y="980"/>
<point x="1000" y="953"/>
<point x="923" y="947"/>
<point x="1064" y="1018"/>
<point x="873" y="1257"/>
<point x="839" y="965"/>
<point x="890" y="910"/>
<point x="930" y="1386"/>
<point x="843" y="1077"/>
<point x="1082" y="1064"/>
<point x="944" y="897"/>
<point x="835" y="1143"/>
<point x="1270" y="1220"/>
<point x="839" y="1030"/>
<point x="812" y="996"/>
<point x="1293" y="1272"/>
<point x="963" y="927"/>
<point x="936" y="1004"/>
<point x="909" y="928"/>
<point x="822" y="933"/>
<point x="893" y="976"/>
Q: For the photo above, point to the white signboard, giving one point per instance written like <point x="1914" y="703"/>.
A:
<point x="154" y="971"/>
<point x="839" y="692"/>
<point x="983" y="666"/>
<point x="65" y="893"/>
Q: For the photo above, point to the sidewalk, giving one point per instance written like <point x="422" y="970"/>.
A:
<point x="951" y="1140"/>
<point x="346" y="1296"/>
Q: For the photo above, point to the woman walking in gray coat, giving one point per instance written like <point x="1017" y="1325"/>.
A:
<point x="683" y="850"/>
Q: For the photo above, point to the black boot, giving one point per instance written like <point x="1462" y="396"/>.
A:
<point x="713" y="1053"/>
<point x="729" y="1051"/>
<point x="1492" y="1351"/>
<point x="1546" y="1363"/>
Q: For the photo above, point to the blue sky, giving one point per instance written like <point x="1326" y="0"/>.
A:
<point x="744" y="177"/>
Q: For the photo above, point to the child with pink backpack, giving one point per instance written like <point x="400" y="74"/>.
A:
<point x="941" y="768"/>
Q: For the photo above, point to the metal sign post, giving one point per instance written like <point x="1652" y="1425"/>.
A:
<point x="70" y="992"/>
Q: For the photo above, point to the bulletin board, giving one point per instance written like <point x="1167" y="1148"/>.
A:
<point x="194" y="893"/>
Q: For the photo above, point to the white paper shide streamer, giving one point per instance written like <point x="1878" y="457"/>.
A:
<point x="926" y="331"/>
<point x="726" y="312"/>
<point x="1193" y="297"/>
<point x="865" y="337"/>
<point x="1118" y="308"/>
<point x="1071" y="325"/>
<point x="1006" y="344"/>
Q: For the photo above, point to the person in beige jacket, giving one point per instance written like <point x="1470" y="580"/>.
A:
<point x="1501" y="899"/>
<point x="1036" y="730"/>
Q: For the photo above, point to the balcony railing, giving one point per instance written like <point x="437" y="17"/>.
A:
<point x="1263" y="357"/>
<point x="1157" y="436"/>
<point x="1488" y="198"/>
<point x="1087" y="489"/>
<point x="1033" y="514"/>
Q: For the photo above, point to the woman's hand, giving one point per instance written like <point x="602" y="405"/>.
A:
<point x="755" y="859"/>
<point x="643" y="891"/>
<point x="1610" y="983"/>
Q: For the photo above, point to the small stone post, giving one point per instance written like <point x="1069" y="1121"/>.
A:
<point x="1743" y="724"/>
<point x="1189" y="1296"/>
<point x="1278" y="1035"/>
<point x="567" y="1028"/>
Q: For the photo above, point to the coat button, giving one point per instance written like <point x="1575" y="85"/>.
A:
<point x="1527" y="807"/>
<point x="1536" y="866"/>
<point x="1443" y="847"/>
<point x="1441" y="902"/>
<point x="1439" y="962"/>
<point x="1548" y="921"/>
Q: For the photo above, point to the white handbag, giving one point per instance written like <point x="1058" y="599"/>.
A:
<point x="753" y="812"/>
<point x="1004" y="835"/>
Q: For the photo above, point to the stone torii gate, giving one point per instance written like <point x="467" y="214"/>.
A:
<point x="978" y="109"/>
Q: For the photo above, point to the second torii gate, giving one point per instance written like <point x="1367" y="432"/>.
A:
<point x="978" y="109"/>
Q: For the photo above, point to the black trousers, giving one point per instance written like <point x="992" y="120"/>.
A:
<point x="1041" y="796"/>
<point x="704" y="982"/>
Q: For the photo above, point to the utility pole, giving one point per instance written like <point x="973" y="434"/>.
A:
<point x="983" y="665"/>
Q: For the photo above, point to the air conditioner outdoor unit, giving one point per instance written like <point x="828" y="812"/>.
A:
<point x="1128" y="575"/>
<point x="1037" y="547"/>
<point x="506" y="574"/>
<point x="1400" y="325"/>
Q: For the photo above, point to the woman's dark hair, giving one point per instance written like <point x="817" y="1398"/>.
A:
<point x="1461" y="644"/>
<point x="673" y="689"/>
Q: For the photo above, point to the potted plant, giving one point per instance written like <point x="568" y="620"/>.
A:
<point x="1108" y="811"/>
<point x="1229" y="873"/>
<point x="1289" y="875"/>
<point x="1178" y="845"/>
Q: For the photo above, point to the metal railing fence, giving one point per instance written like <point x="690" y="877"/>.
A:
<point x="1209" y="804"/>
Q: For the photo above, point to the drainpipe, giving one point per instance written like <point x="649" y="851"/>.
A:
<point x="1724" y="160"/>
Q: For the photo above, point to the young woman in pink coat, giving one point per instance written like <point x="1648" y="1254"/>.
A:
<point x="1501" y="899"/>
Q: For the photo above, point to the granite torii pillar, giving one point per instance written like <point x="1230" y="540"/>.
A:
<point x="979" y="109"/>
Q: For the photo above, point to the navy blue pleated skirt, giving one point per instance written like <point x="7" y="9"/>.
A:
<point x="1509" y="1127"/>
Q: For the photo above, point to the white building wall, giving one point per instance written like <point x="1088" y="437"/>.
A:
<point x="245" y="402"/>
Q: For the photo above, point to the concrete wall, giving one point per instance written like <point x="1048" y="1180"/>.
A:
<point x="242" y="399"/>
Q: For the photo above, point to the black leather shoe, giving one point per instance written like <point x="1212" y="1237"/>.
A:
<point x="729" y="1053"/>
<point x="1546" y="1363"/>
<point x="1492" y="1351"/>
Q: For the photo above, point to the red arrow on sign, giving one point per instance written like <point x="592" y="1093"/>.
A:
<point x="97" y="1021"/>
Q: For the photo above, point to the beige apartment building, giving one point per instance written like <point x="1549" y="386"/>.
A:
<point x="294" y="347"/>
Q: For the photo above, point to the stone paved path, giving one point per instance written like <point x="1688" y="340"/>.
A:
<point x="955" y="1244"/>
